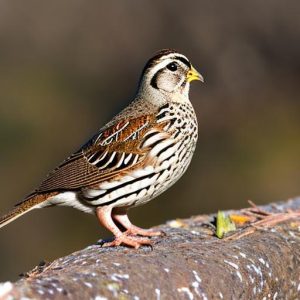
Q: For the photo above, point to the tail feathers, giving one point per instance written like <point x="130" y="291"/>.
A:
<point x="14" y="214"/>
<point x="35" y="201"/>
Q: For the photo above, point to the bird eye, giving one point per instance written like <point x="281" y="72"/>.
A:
<point x="172" y="67"/>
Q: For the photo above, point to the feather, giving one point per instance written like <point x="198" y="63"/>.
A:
<point x="32" y="202"/>
<point x="102" y="158"/>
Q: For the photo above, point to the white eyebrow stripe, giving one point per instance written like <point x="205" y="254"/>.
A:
<point x="174" y="55"/>
<point x="165" y="60"/>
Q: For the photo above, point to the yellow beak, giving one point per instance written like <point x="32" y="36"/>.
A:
<point x="193" y="74"/>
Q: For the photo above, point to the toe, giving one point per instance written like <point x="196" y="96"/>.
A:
<point x="134" y="242"/>
<point x="142" y="232"/>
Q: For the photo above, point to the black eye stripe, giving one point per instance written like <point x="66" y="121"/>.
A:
<point x="185" y="61"/>
<point x="153" y="81"/>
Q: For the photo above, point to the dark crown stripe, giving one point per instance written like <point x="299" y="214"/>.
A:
<point x="151" y="62"/>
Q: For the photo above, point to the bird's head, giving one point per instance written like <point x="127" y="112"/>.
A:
<point x="168" y="73"/>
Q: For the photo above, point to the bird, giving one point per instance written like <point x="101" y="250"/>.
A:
<point x="134" y="158"/>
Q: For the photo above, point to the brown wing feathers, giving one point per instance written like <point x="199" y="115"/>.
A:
<point x="82" y="170"/>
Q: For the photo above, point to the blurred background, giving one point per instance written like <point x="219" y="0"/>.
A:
<point x="66" y="67"/>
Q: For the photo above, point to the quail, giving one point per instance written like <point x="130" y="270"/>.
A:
<point x="135" y="157"/>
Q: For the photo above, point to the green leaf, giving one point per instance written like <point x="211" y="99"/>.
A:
<point x="224" y="225"/>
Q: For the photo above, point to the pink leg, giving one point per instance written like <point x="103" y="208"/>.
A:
<point x="105" y="219"/>
<point x="122" y="218"/>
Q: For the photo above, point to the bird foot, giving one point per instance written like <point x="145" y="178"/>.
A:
<point x="130" y="241"/>
<point x="134" y="230"/>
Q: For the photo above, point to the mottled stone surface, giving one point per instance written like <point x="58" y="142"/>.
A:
<point x="188" y="263"/>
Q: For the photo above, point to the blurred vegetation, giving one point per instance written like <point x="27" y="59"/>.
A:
<point x="67" y="67"/>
